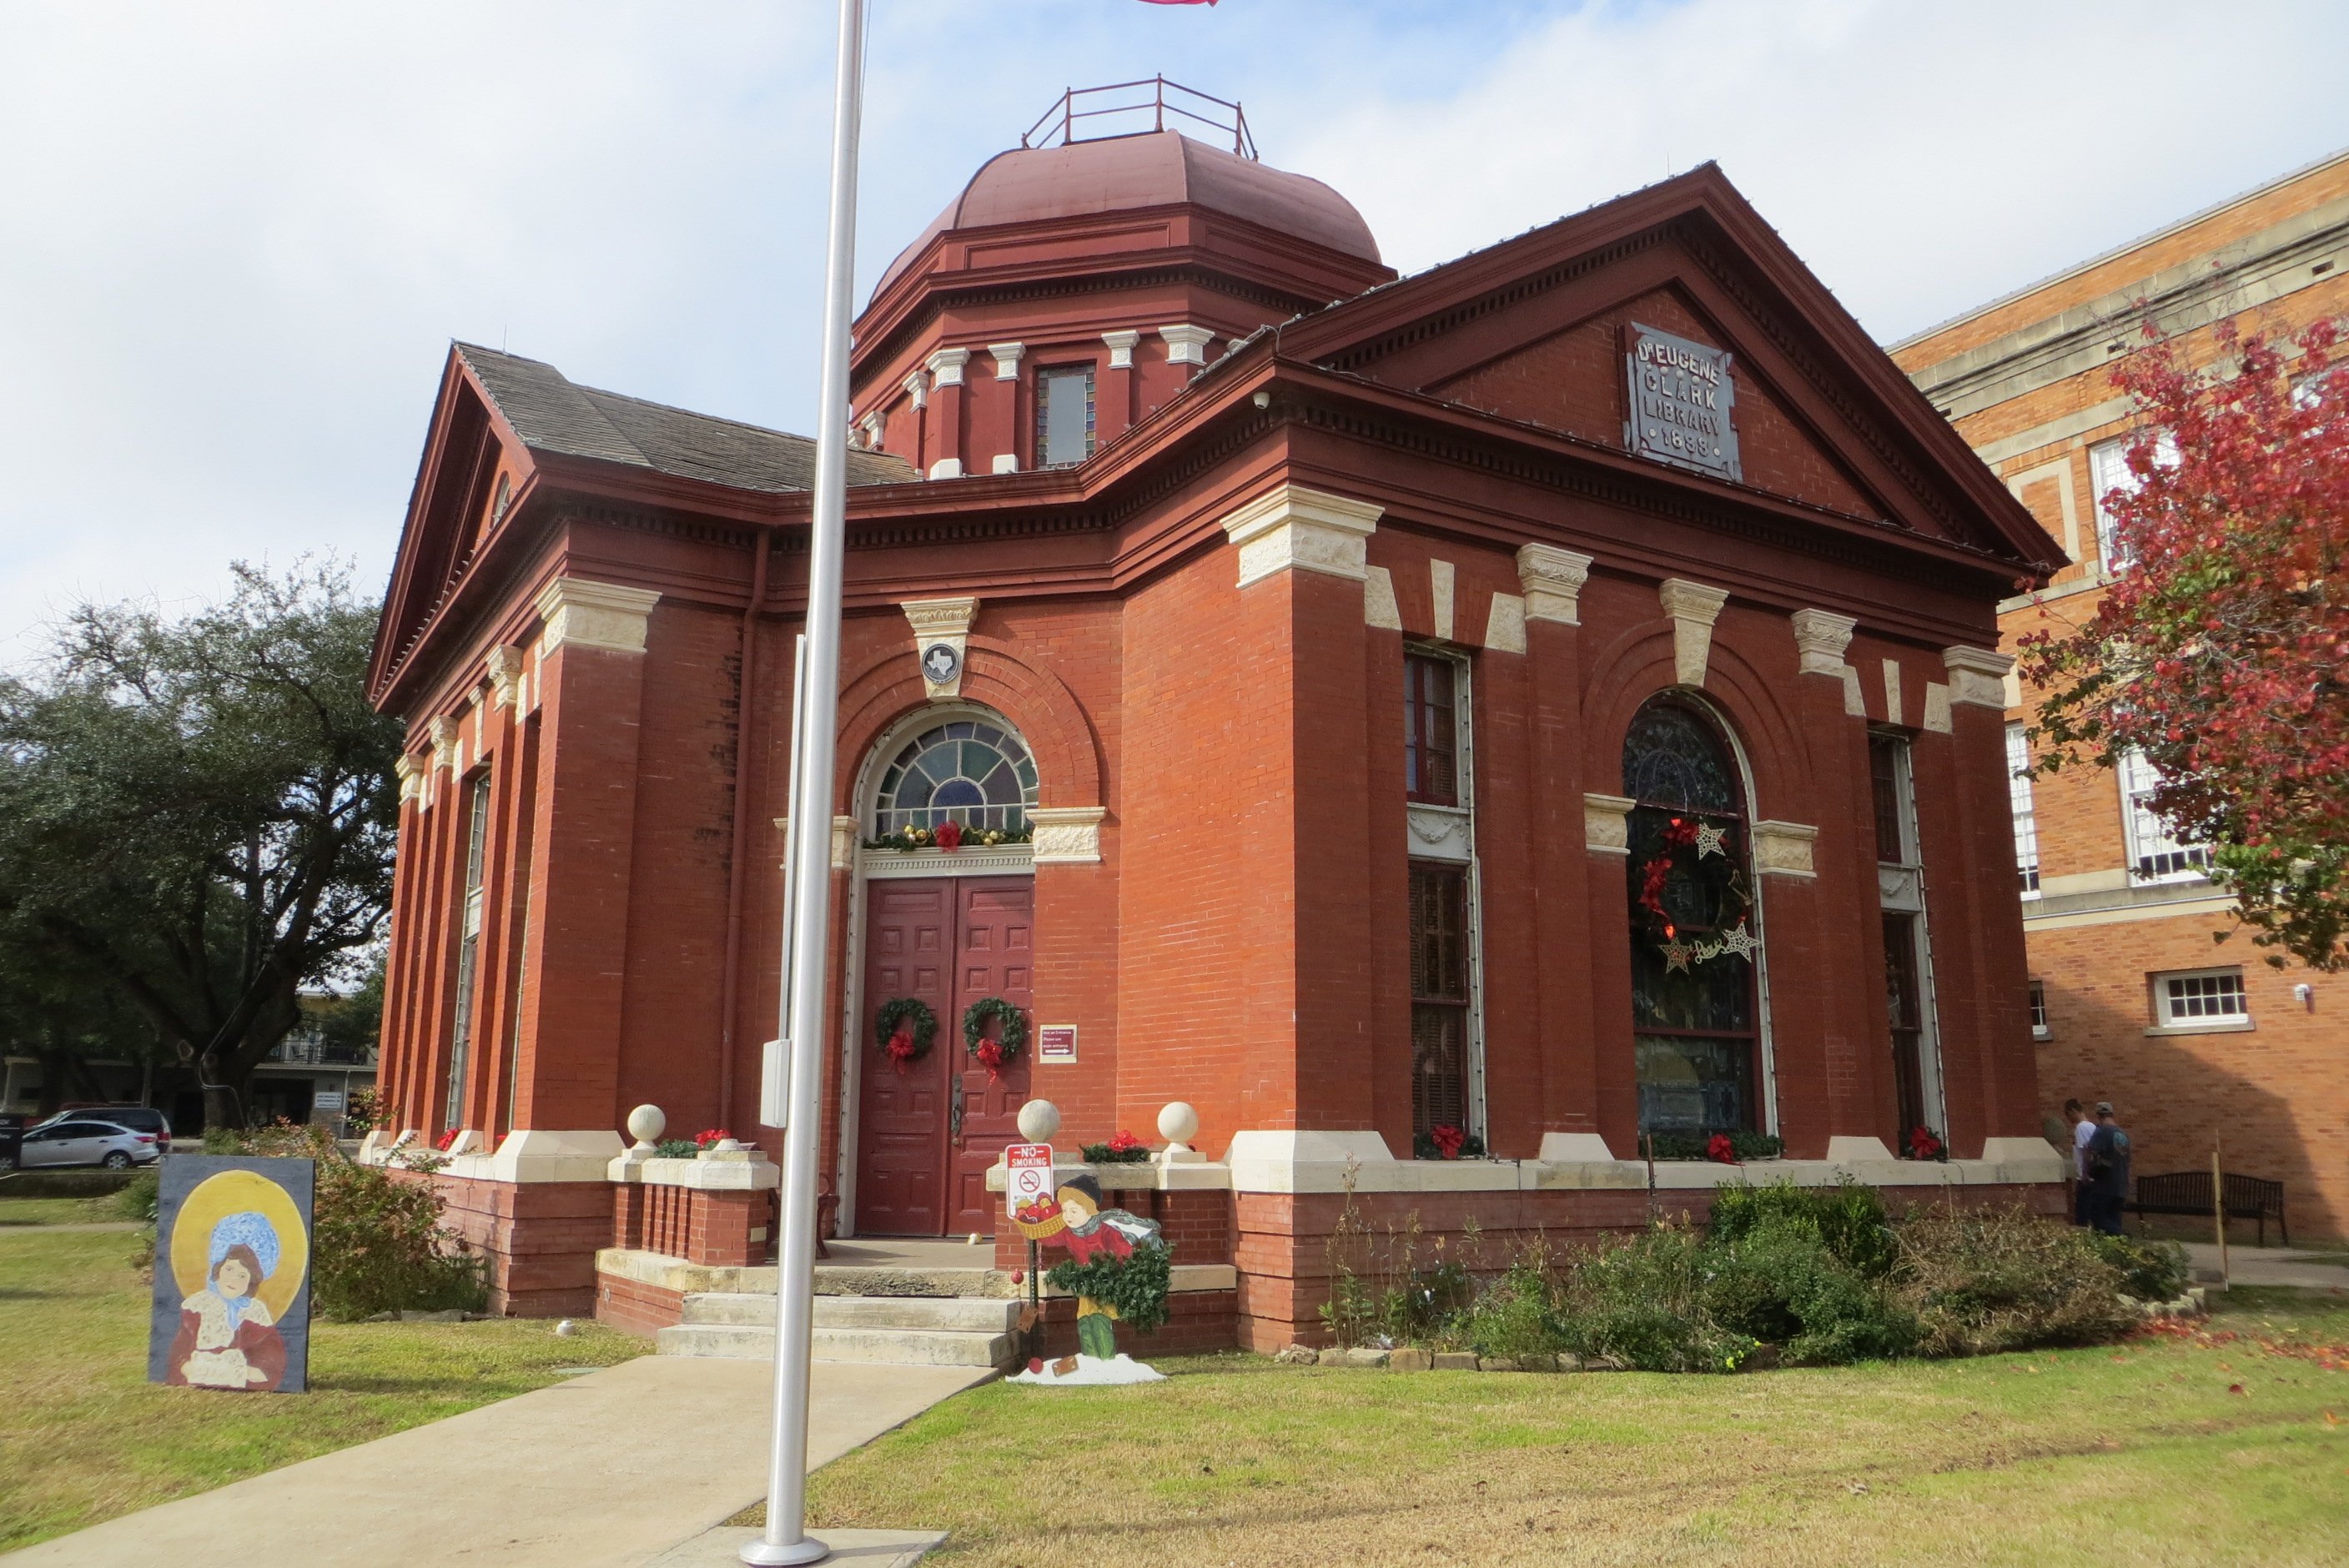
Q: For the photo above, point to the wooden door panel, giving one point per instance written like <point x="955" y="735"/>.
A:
<point x="994" y="956"/>
<point x="902" y="1115"/>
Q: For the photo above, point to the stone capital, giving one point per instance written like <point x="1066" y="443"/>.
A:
<point x="409" y="773"/>
<point x="1693" y="608"/>
<point x="503" y="668"/>
<point x="918" y="387"/>
<point x="1977" y="677"/>
<point x="845" y="839"/>
<point x="1784" y="849"/>
<point x="946" y="365"/>
<point x="1120" y="348"/>
<point x="588" y="615"/>
<point x="947" y="469"/>
<point x="1007" y="359"/>
<point x="1067" y="835"/>
<point x="1553" y="580"/>
<point x="1304" y="529"/>
<point x="1607" y="824"/>
<point x="943" y="621"/>
<point x="1186" y="345"/>
<point x="443" y="731"/>
<point x="873" y="425"/>
<point x="1821" y="636"/>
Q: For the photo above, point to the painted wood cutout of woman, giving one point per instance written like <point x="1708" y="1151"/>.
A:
<point x="228" y="1339"/>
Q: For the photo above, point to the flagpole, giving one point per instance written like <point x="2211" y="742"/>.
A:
<point x="806" y="939"/>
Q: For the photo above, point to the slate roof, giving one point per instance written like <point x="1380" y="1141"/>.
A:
<point x="552" y="413"/>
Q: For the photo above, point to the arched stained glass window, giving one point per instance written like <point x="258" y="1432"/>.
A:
<point x="1695" y="934"/>
<point x="966" y="771"/>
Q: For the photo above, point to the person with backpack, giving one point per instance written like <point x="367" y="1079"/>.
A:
<point x="2084" y="1128"/>
<point x="2106" y="1166"/>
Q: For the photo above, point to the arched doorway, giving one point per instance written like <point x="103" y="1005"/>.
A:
<point x="945" y="928"/>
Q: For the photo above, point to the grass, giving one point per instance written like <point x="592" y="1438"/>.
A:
<point x="2134" y="1453"/>
<point x="24" y="1212"/>
<point x="85" y="1437"/>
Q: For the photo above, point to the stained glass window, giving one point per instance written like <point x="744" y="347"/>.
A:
<point x="966" y="771"/>
<point x="1695" y="934"/>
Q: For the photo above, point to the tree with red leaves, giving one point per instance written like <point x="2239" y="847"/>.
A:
<point x="2221" y="651"/>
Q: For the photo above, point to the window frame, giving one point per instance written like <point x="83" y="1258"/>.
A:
<point x="2112" y="453"/>
<point x="478" y="809"/>
<point x="2143" y="833"/>
<point x="2163" y="1002"/>
<point x="1458" y="880"/>
<point x="2022" y="807"/>
<point x="1419" y="704"/>
<point x="1456" y="855"/>
<point x="1041" y="424"/>
<point x="2041" y="1028"/>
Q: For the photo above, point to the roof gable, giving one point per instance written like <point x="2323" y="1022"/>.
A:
<point x="1531" y="330"/>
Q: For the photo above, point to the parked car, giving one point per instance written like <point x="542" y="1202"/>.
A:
<point x="79" y="1140"/>
<point x="137" y="1117"/>
<point x="12" y="1137"/>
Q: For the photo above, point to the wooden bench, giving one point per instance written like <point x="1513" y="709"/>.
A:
<point x="2188" y="1193"/>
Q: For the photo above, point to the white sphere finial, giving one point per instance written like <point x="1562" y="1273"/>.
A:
<point x="646" y="1124"/>
<point x="1179" y="1123"/>
<point x="1038" y="1119"/>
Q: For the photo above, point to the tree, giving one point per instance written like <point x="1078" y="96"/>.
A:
<point x="199" y="813"/>
<point x="2220" y="652"/>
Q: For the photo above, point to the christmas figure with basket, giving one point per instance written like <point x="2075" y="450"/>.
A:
<point x="1117" y="1268"/>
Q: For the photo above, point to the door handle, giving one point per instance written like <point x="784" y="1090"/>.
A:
<point x="953" y="1112"/>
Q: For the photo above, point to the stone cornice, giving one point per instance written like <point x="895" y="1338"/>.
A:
<point x="1295" y="528"/>
<point x="581" y="612"/>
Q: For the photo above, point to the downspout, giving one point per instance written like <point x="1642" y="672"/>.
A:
<point x="735" y="868"/>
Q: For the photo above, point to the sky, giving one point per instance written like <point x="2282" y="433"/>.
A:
<point x="237" y="238"/>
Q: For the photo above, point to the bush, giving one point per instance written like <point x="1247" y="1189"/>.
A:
<point x="1984" y="1281"/>
<point x="137" y="1200"/>
<point x="377" y="1243"/>
<point x="1642" y="1302"/>
<point x="1515" y="1314"/>
<point x="2149" y="1271"/>
<point x="1779" y="1282"/>
<point x="1848" y="1219"/>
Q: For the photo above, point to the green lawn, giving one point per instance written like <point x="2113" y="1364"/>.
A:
<point x="2138" y="1453"/>
<point x="84" y="1436"/>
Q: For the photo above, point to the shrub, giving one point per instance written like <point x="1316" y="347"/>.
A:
<point x="138" y="1200"/>
<point x="1984" y="1281"/>
<point x="1847" y="1218"/>
<point x="1642" y="1302"/>
<point x="2149" y="1271"/>
<point x="1780" y="1281"/>
<point x="1513" y="1316"/>
<point x="677" y="1148"/>
<point x="377" y="1243"/>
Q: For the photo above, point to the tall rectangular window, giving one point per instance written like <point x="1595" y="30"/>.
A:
<point x="2026" y="815"/>
<point x="1431" y="726"/>
<point x="1064" y="416"/>
<point x="2153" y="853"/>
<point x="1908" y="946"/>
<point x="2039" y="1026"/>
<point x="2108" y="471"/>
<point x="469" y="946"/>
<point x="1439" y="997"/>
<point x="1885" y="756"/>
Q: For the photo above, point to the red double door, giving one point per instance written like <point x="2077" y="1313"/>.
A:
<point x="927" y="1134"/>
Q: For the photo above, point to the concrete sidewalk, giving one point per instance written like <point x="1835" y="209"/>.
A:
<point x="2269" y="1265"/>
<point x="609" y="1470"/>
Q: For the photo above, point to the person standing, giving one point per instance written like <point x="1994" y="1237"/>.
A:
<point x="2084" y="1128"/>
<point x="2107" y="1169"/>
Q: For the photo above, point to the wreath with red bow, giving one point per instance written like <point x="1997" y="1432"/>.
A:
<point x="904" y="1029"/>
<point x="997" y="1051"/>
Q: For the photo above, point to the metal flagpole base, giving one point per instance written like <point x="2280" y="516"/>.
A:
<point x="767" y="1555"/>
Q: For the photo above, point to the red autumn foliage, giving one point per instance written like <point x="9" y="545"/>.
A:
<point x="2219" y="649"/>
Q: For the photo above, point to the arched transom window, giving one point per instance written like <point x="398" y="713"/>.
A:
<point x="1695" y="934"/>
<point x="966" y="771"/>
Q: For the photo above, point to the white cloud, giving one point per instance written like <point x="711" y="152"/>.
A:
<point x="236" y="238"/>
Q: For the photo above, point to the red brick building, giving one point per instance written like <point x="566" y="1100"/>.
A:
<point x="2200" y="1044"/>
<point x="1544" y="700"/>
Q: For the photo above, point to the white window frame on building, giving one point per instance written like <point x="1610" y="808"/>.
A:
<point x="1900" y="900"/>
<point x="2024" y="808"/>
<point x="469" y="948"/>
<point x="2040" y="1029"/>
<point x="2147" y="840"/>
<point x="2108" y="470"/>
<point x="2200" y="1001"/>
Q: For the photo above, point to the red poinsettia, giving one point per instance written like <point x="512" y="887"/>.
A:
<point x="1653" y="877"/>
<point x="710" y="1136"/>
<point x="990" y="1056"/>
<point x="443" y="1142"/>
<point x="1447" y="1139"/>
<point x="1124" y="1142"/>
<point x="1924" y="1143"/>
<point x="1719" y="1149"/>
<point x="1681" y="832"/>
<point x="949" y="836"/>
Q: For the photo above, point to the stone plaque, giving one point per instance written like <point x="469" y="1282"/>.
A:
<point x="1683" y="402"/>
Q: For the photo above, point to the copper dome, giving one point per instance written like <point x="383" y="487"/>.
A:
<point x="1153" y="169"/>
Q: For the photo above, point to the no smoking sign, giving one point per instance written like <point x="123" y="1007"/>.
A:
<point x="1028" y="1183"/>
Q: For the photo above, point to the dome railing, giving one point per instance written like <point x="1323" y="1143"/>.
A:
<point x="1058" y="125"/>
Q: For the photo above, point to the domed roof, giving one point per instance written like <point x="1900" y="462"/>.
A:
<point x="1153" y="169"/>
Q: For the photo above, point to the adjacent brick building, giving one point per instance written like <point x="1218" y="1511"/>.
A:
<point x="2197" y="1043"/>
<point x="1533" y="704"/>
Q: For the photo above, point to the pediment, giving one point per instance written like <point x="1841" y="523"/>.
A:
<point x="1543" y="330"/>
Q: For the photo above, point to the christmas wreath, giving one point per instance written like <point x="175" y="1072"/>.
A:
<point x="998" y="1051"/>
<point x="1688" y="879"/>
<point x="904" y="1029"/>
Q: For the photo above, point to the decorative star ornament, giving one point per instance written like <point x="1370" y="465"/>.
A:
<point x="1709" y="840"/>
<point x="1741" y="943"/>
<point x="1677" y="954"/>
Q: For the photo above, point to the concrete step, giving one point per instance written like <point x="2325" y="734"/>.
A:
<point x="881" y="1346"/>
<point x="851" y="1279"/>
<point x="969" y="1314"/>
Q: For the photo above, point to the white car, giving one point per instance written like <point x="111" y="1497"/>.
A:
<point x="84" y="1140"/>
